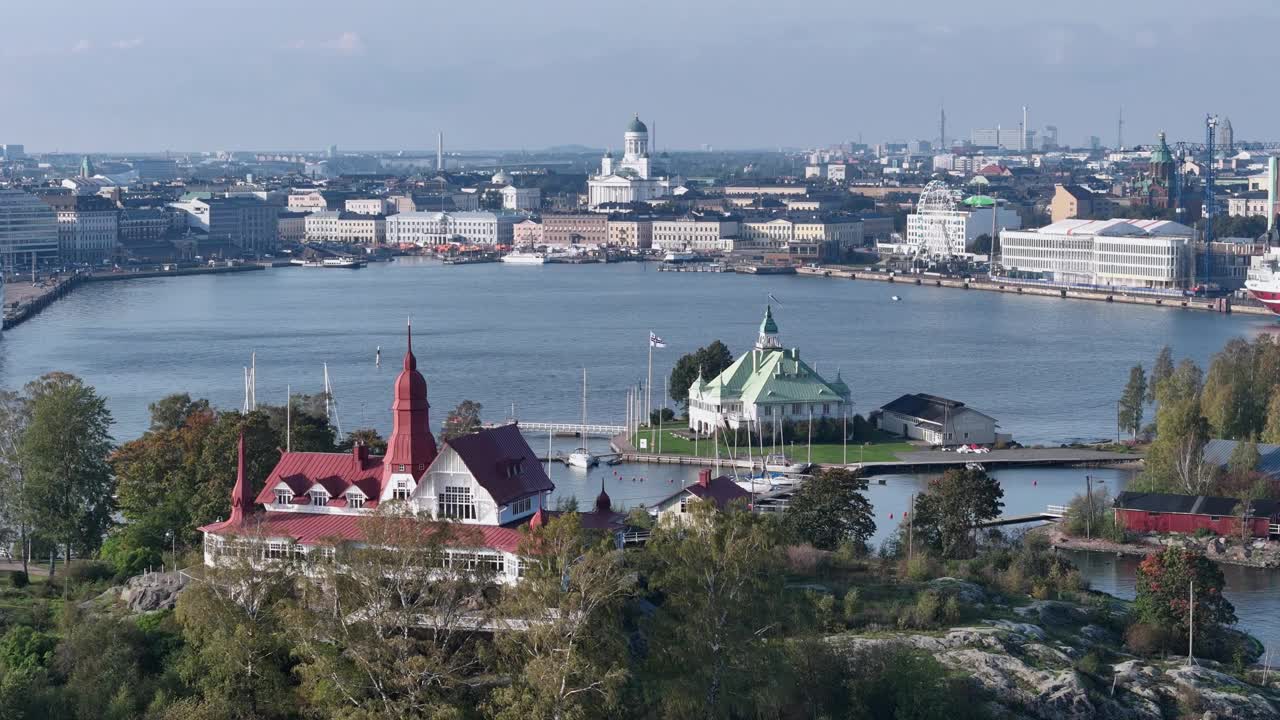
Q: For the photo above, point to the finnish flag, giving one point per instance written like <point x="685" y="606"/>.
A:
<point x="655" y="341"/>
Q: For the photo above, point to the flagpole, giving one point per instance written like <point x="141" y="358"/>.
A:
<point x="648" y="391"/>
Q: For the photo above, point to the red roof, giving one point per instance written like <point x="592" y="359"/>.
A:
<point x="723" y="490"/>
<point x="334" y="471"/>
<point x="308" y="528"/>
<point x="490" y="455"/>
<point x="411" y="443"/>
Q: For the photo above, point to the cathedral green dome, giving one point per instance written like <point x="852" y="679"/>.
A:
<point x="636" y="126"/>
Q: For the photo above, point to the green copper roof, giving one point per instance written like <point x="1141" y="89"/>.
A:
<point x="1162" y="154"/>
<point x="980" y="201"/>
<point x="763" y="377"/>
<point x="637" y="126"/>
<point x="768" y="326"/>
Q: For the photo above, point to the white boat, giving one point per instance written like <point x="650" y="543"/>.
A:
<point x="974" y="466"/>
<point x="895" y="298"/>
<point x="344" y="261"/>
<point x="782" y="464"/>
<point x="525" y="258"/>
<point x="582" y="457"/>
<point x="766" y="482"/>
<point x="1263" y="279"/>
<point x="678" y="256"/>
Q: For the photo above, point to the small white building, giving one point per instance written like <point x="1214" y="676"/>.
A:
<point x="937" y="421"/>
<point x="720" y="490"/>
<point x="517" y="198"/>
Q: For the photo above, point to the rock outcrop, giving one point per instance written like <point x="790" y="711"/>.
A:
<point x="152" y="591"/>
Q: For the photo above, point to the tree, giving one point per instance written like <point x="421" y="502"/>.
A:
<point x="1161" y="371"/>
<point x="1229" y="399"/>
<point x="69" y="483"/>
<point x="462" y="420"/>
<point x="367" y="437"/>
<point x="1243" y="464"/>
<point x="1163" y="588"/>
<point x="708" y="362"/>
<point x="305" y="427"/>
<point x="948" y="514"/>
<point x="391" y="628"/>
<point x="982" y="244"/>
<point x="15" y="416"/>
<point x="831" y="509"/>
<point x="1132" y="401"/>
<point x="172" y="411"/>
<point x="1271" y="431"/>
<point x="573" y="663"/>
<point x="720" y="574"/>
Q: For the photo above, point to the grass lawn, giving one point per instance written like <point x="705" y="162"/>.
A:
<point x="884" y="449"/>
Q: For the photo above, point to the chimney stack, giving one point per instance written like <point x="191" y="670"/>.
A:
<point x="360" y="455"/>
<point x="704" y="478"/>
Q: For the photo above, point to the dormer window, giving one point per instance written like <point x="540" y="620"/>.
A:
<point x="283" y="496"/>
<point x="514" y="468"/>
<point x="355" y="500"/>
<point x="401" y="490"/>
<point x="319" y="497"/>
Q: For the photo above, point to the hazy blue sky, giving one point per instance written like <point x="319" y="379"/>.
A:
<point x="166" y="74"/>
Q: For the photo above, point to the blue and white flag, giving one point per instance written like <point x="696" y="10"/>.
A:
<point x="655" y="341"/>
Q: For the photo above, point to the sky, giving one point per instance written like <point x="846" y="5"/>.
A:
<point x="152" y="75"/>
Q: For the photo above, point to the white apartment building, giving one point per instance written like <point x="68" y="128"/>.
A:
<point x="830" y="236"/>
<point x="1116" y="252"/>
<point x="436" y="228"/>
<point x="944" y="225"/>
<point x="705" y="233"/>
<point x="88" y="227"/>
<point x="514" y="198"/>
<point x="369" y="206"/>
<point x="346" y="228"/>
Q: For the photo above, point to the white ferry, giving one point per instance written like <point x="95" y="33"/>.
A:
<point x="525" y="258"/>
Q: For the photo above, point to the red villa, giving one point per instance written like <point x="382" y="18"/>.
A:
<point x="489" y="481"/>
<point x="1166" y="513"/>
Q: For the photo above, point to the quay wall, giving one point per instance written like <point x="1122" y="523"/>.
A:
<point x="1220" y="305"/>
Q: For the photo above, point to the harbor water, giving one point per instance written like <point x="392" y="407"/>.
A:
<point x="1049" y="370"/>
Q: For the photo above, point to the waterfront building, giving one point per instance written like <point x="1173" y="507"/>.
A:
<point x="802" y="237"/>
<point x="314" y="504"/>
<point x="1117" y="252"/>
<point x="345" y="228"/>
<point x="1189" y="514"/>
<point x="517" y="198"/>
<point x="575" y="228"/>
<point x="28" y="230"/>
<point x="630" y="231"/>
<point x="700" y="232"/>
<point x="526" y="233"/>
<point x="147" y="224"/>
<point x="88" y="227"/>
<point x="764" y="387"/>
<point x="628" y="180"/>
<point x="720" y="490"/>
<point x="436" y="228"/>
<point x="316" y="200"/>
<point x="246" y="222"/>
<point x="292" y="227"/>
<point x="766" y="189"/>
<point x="944" y="224"/>
<point x="937" y="421"/>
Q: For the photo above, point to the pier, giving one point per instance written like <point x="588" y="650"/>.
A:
<point x="1218" y="305"/>
<point x="566" y="429"/>
<point x="1053" y="513"/>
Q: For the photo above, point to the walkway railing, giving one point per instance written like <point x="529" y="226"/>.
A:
<point x="606" y="431"/>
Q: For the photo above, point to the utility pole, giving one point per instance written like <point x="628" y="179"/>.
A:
<point x="911" y="521"/>
<point x="1191" y="628"/>
<point x="844" y="431"/>
<point x="1088" y="518"/>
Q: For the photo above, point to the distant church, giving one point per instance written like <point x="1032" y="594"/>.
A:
<point x="628" y="180"/>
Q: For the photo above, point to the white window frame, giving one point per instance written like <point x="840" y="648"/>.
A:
<point x="319" y="497"/>
<point x="456" y="502"/>
<point x="284" y="496"/>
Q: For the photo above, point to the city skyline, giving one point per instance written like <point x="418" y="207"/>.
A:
<point x="294" y="76"/>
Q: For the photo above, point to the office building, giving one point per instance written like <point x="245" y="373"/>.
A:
<point x="88" y="227"/>
<point x="345" y="228"/>
<point x="701" y="232"/>
<point x="437" y="228"/>
<point x="246" y="222"/>
<point x="1112" y="253"/>
<point x="28" y="230"/>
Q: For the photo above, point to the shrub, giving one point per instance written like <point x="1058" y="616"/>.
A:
<point x="24" y="648"/>
<point x="924" y="614"/>
<point x="90" y="571"/>
<point x="851" y="605"/>
<point x="19" y="579"/>
<point x="1146" y="639"/>
<point x="951" y="610"/>
<point x="1089" y="664"/>
<point x="920" y="567"/>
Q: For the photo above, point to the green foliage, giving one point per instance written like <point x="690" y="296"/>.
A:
<point x="19" y="579"/>
<point x="24" y="648"/>
<point x="1161" y="371"/>
<point x="1163" y="594"/>
<point x="462" y="420"/>
<point x="173" y="411"/>
<point x="831" y="509"/>
<point x="1092" y="517"/>
<point x="367" y="437"/>
<point x="69" y="485"/>
<point x="708" y="361"/>
<point x="664" y="416"/>
<point x="1175" y="460"/>
<point x="900" y="682"/>
<point x="1132" y="401"/>
<point x="948" y="513"/>
<point x="131" y="549"/>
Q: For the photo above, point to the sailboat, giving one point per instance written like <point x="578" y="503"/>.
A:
<point x="582" y="457"/>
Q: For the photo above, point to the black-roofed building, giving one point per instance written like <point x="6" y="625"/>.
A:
<point x="1170" y="513"/>
<point x="937" y="421"/>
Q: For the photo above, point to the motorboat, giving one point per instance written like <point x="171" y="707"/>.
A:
<point x="582" y="458"/>
<point x="525" y="258"/>
<point x="895" y="298"/>
<point x="766" y="482"/>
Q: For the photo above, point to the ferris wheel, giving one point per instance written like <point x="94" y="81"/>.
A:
<point x="938" y="201"/>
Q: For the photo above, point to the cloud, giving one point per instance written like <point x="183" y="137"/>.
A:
<point x="127" y="44"/>
<point x="82" y="46"/>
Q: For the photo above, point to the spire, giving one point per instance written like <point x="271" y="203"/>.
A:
<point x="410" y="362"/>
<point x="241" y="500"/>
<point x="411" y="447"/>
<point x="768" y="339"/>
<point x="603" y="503"/>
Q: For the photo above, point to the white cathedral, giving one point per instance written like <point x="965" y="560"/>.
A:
<point x="628" y="180"/>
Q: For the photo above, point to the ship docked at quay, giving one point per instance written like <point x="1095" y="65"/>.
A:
<point x="1263" y="280"/>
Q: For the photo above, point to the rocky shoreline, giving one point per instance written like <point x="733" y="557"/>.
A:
<point x="1228" y="551"/>
<point x="1053" y="660"/>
